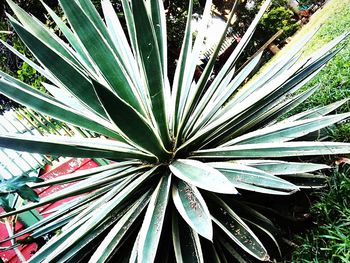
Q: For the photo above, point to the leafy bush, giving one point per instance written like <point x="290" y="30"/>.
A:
<point x="279" y="18"/>
<point x="28" y="74"/>
<point x="34" y="7"/>
<point x="12" y="65"/>
<point x="186" y="157"/>
<point x="8" y="62"/>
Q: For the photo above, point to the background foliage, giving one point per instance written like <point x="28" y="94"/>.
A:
<point x="278" y="17"/>
<point x="23" y="72"/>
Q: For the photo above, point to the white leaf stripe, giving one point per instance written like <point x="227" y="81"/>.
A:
<point x="103" y="212"/>
<point x="40" y="31"/>
<point x="130" y="122"/>
<point x="316" y="112"/>
<point x="101" y="53"/>
<point x="112" y="177"/>
<point x="237" y="230"/>
<point x="124" y="51"/>
<point x="67" y="73"/>
<point x="287" y="149"/>
<point x="282" y="167"/>
<point x="38" y="68"/>
<point x="220" y="96"/>
<point x="180" y="73"/>
<point x="192" y="98"/>
<point x="189" y="96"/>
<point x="73" y="40"/>
<point x="281" y="132"/>
<point x="186" y="243"/>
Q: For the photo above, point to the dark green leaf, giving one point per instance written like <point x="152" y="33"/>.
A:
<point x="236" y="229"/>
<point x="193" y="209"/>
<point x="152" y="66"/>
<point x="28" y="194"/>
<point x="69" y="147"/>
<point x="186" y="242"/>
<point x="71" y="78"/>
<point x="130" y="122"/>
<point x="101" y="52"/>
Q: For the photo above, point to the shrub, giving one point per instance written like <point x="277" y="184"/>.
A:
<point x="13" y="66"/>
<point x="34" y="6"/>
<point x="185" y="157"/>
<point x="279" y="18"/>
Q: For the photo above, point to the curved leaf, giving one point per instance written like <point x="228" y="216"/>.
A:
<point x="287" y="149"/>
<point x="253" y="217"/>
<point x="236" y="229"/>
<point x="244" y="177"/>
<point x="193" y="209"/>
<point x="202" y="176"/>
<point x="281" y="167"/>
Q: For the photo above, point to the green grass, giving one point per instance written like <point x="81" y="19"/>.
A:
<point x="334" y="79"/>
<point x="329" y="241"/>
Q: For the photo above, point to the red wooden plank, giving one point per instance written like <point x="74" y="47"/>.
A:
<point x="67" y="167"/>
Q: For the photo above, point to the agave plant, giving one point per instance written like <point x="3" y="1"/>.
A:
<point x="182" y="154"/>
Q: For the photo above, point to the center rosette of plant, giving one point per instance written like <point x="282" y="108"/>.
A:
<point x="215" y="136"/>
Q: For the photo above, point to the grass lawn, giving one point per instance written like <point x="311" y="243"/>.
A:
<point x="334" y="80"/>
<point x="330" y="240"/>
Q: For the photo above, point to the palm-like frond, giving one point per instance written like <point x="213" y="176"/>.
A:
<point x="164" y="139"/>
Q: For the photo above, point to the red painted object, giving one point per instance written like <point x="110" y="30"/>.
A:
<point x="67" y="167"/>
